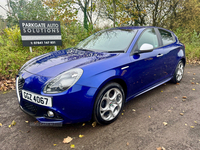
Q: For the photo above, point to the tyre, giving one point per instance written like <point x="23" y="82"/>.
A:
<point x="178" y="74"/>
<point x="109" y="103"/>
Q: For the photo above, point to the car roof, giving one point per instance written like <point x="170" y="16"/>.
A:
<point x="135" y="27"/>
<point x="140" y="28"/>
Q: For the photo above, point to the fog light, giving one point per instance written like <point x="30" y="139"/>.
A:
<point x="50" y="113"/>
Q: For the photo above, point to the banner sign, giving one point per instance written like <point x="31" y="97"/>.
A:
<point x="40" y="33"/>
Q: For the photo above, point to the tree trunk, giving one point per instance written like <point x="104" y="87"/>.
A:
<point x="114" y="11"/>
<point x="85" y="15"/>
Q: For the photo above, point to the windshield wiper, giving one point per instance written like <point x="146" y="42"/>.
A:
<point x="114" y="51"/>
<point x="84" y="49"/>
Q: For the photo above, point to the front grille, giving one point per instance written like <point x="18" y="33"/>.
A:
<point x="31" y="108"/>
<point x="20" y="85"/>
<point x="37" y="110"/>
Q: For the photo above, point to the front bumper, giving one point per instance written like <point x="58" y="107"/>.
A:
<point x="72" y="106"/>
<point x="45" y="121"/>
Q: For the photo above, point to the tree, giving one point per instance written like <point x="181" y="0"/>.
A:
<point x="126" y="12"/>
<point x="26" y="10"/>
<point x="160" y="10"/>
<point x="62" y="10"/>
<point x="67" y="10"/>
<point x="187" y="16"/>
<point x="114" y="12"/>
<point x="88" y="7"/>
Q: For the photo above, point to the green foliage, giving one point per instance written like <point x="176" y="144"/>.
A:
<point x="192" y="52"/>
<point x="13" y="55"/>
<point x="188" y="37"/>
<point x="11" y="62"/>
<point x="192" y="43"/>
<point x="26" y="10"/>
<point x="13" y="37"/>
<point x="74" y="33"/>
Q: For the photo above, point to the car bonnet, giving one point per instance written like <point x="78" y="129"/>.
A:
<point x="54" y="63"/>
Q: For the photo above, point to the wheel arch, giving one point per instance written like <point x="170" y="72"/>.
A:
<point x="118" y="80"/>
<point x="184" y="60"/>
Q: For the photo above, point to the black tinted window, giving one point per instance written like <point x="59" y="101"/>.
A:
<point x="148" y="37"/>
<point x="167" y="37"/>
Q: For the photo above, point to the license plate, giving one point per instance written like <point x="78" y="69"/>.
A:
<point x="36" y="98"/>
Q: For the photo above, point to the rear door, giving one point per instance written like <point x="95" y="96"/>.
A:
<point x="169" y="51"/>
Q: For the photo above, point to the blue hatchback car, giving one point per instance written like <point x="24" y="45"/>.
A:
<point x="94" y="79"/>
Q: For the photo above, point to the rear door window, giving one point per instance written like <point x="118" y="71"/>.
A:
<point x="166" y="37"/>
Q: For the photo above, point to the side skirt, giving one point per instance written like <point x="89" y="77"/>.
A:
<point x="148" y="89"/>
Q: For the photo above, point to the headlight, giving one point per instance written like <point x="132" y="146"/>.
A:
<point x="63" y="81"/>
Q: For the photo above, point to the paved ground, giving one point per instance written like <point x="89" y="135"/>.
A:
<point x="142" y="129"/>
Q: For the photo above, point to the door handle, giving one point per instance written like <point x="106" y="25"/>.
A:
<point x="159" y="55"/>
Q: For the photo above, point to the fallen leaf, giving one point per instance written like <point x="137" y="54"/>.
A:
<point x="94" y="124"/>
<point x="151" y="108"/>
<point x="194" y="73"/>
<point x="192" y="82"/>
<point x="193" y="78"/>
<point x="72" y="146"/>
<point x="183" y="100"/>
<point x="163" y="148"/>
<point x="192" y="126"/>
<point x="159" y="148"/>
<point x="28" y="131"/>
<point x="127" y="143"/>
<point x="175" y="97"/>
<point x="123" y="110"/>
<point x="0" y="124"/>
<point x="67" y="140"/>
<point x="188" y="72"/>
<point x="54" y="144"/>
<point x="149" y="116"/>
<point x="193" y="89"/>
<point x="185" y="124"/>
<point x="26" y="121"/>
<point x="164" y="123"/>
<point x="9" y="126"/>
<point x="122" y="114"/>
<point x="13" y="123"/>
<point x="80" y="136"/>
<point x="181" y="114"/>
<point x="197" y="83"/>
<point x="133" y="110"/>
<point x="178" y="83"/>
<point x="161" y="91"/>
<point x="195" y="121"/>
<point x="185" y="97"/>
<point x="170" y="110"/>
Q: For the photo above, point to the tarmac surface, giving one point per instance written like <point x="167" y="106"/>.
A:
<point x="142" y="129"/>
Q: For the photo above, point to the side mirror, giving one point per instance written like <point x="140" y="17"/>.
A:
<point x="146" y="48"/>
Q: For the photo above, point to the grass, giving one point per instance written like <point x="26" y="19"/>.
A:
<point x="192" y="52"/>
<point x="11" y="61"/>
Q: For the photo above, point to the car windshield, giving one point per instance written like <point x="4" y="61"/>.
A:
<point x="116" y="40"/>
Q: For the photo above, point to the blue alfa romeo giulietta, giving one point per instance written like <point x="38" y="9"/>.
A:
<point x="94" y="79"/>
